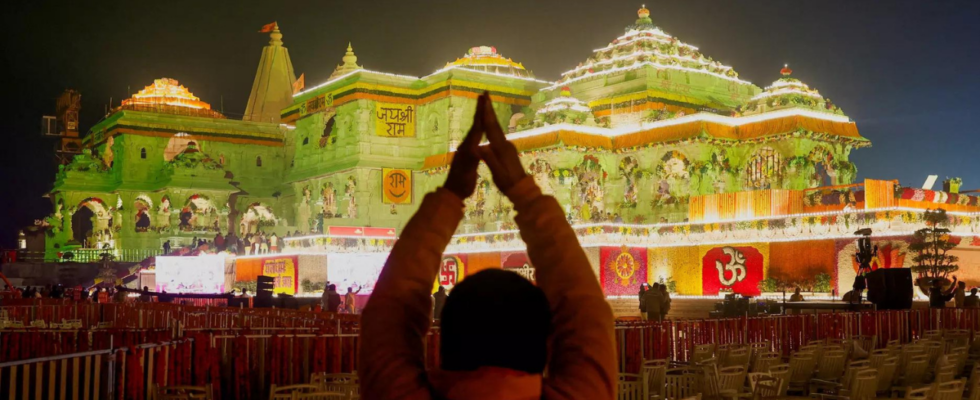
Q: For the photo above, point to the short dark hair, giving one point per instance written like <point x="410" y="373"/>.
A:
<point x="495" y="318"/>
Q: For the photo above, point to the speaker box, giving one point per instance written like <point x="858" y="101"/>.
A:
<point x="890" y="289"/>
<point x="263" y="286"/>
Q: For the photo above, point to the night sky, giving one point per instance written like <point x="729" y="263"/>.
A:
<point x="905" y="71"/>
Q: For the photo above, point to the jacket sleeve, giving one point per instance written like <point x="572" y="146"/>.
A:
<point x="582" y="363"/>
<point x="397" y="316"/>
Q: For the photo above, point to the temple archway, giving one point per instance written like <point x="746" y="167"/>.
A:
<point x="764" y="170"/>
<point x="82" y="225"/>
<point x="143" y="205"/>
<point x="90" y="223"/>
<point x="591" y="192"/>
<point x="176" y="145"/>
<point x="198" y="214"/>
<point x="256" y="217"/>
<point x="673" y="179"/>
<point x="823" y="167"/>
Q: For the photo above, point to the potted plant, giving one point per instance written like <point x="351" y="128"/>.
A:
<point x="931" y="246"/>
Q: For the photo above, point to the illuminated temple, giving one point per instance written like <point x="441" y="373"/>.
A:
<point x="670" y="166"/>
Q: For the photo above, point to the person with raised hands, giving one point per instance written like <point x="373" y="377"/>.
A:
<point x="499" y="332"/>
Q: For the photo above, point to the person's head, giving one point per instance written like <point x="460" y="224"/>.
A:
<point x="663" y="288"/>
<point x="332" y="287"/>
<point x="350" y="289"/>
<point x="146" y="288"/>
<point x="936" y="283"/>
<point x="506" y="314"/>
<point x="442" y="289"/>
<point x="961" y="285"/>
<point x="973" y="291"/>
<point x="797" y="291"/>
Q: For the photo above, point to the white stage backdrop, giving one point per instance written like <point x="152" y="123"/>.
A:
<point x="355" y="270"/>
<point x="201" y="274"/>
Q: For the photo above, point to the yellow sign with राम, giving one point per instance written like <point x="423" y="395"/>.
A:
<point x="396" y="186"/>
<point x="394" y="120"/>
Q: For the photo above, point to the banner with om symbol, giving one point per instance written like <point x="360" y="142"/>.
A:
<point x="735" y="268"/>
<point x="623" y="270"/>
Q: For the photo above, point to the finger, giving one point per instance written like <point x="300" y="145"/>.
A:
<point x="494" y="164"/>
<point x="494" y="133"/>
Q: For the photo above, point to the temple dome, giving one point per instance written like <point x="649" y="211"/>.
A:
<point x="789" y="92"/>
<point x="646" y="44"/>
<point x="486" y="59"/>
<point x="168" y="96"/>
<point x="349" y="65"/>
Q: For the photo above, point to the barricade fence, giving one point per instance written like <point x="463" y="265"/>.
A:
<point x="242" y="353"/>
<point x="115" y="373"/>
<point x="164" y="316"/>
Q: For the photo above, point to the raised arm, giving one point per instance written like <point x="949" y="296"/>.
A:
<point x="396" y="319"/>
<point x="583" y="361"/>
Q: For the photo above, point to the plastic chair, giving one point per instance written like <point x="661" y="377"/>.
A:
<point x="914" y="374"/>
<point x="878" y="356"/>
<point x="286" y="392"/>
<point x="934" y="349"/>
<point x="682" y="382"/>
<point x="182" y="393"/>
<point x="801" y="368"/>
<point x="739" y="356"/>
<point x="781" y="372"/>
<point x="831" y="365"/>
<point x="321" y="396"/>
<point x="652" y="378"/>
<point x="766" y="387"/>
<point x="973" y="385"/>
<point x="952" y="390"/>
<point x="731" y="381"/>
<point x="764" y="361"/>
<point x="702" y="352"/>
<point x="863" y="387"/>
<point x="629" y="387"/>
<point x="886" y="375"/>
<point x="337" y="383"/>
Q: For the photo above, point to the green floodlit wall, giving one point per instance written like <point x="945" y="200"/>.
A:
<point x="300" y="167"/>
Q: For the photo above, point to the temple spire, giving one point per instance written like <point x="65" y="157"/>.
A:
<point x="272" y="89"/>
<point x="349" y="65"/>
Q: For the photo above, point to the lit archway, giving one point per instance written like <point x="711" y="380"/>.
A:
<point x="143" y="205"/>
<point x="255" y="218"/>
<point x="90" y="223"/>
<point x="176" y="145"/>
<point x="198" y="214"/>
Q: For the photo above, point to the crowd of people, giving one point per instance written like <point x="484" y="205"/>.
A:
<point x="654" y="301"/>
<point x="253" y="243"/>
<point x="331" y="301"/>
<point x="92" y="295"/>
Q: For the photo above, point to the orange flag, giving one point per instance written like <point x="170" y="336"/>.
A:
<point x="268" y="28"/>
<point x="299" y="84"/>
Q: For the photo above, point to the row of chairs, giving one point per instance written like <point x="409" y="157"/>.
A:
<point x="322" y="386"/>
<point x="837" y="369"/>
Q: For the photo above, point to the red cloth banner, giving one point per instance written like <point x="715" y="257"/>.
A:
<point x="519" y="263"/>
<point x="739" y="269"/>
<point x="623" y="270"/>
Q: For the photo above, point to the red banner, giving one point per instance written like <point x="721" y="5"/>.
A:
<point x="285" y="270"/>
<point x="739" y="269"/>
<point x="623" y="270"/>
<point x="519" y="263"/>
<point x="361" y="231"/>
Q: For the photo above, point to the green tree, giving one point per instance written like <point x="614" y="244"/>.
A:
<point x="931" y="245"/>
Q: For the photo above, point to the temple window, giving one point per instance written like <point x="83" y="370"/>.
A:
<point x="258" y="161"/>
<point x="143" y="153"/>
